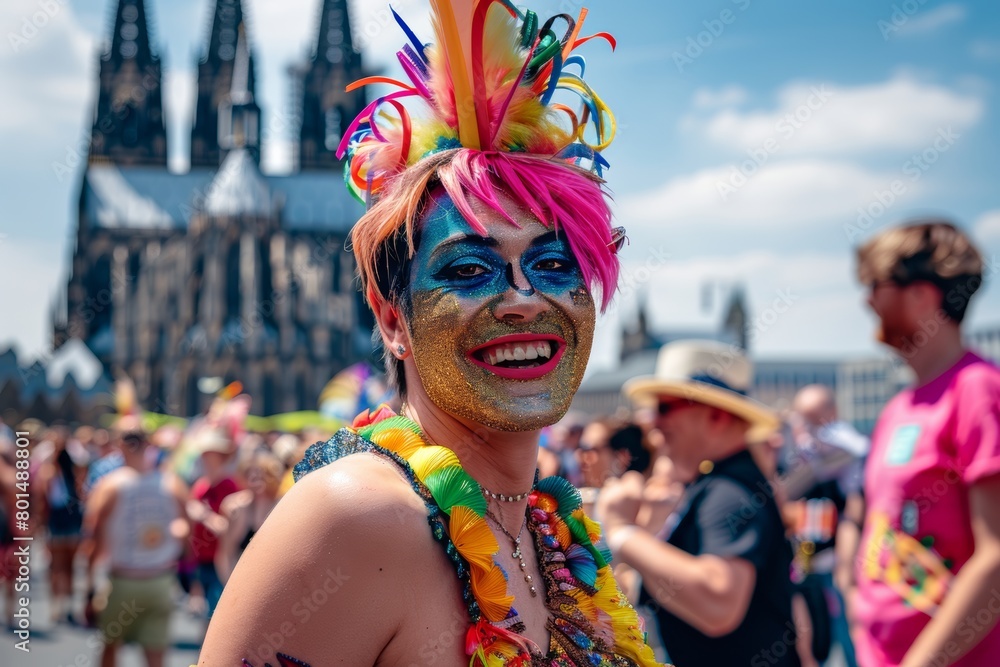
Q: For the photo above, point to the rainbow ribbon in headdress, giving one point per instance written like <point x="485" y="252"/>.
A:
<point x="488" y="82"/>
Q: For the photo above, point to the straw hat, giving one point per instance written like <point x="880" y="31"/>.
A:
<point x="705" y="372"/>
<point x="213" y="440"/>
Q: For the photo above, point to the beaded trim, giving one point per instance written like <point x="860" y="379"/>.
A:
<point x="507" y="499"/>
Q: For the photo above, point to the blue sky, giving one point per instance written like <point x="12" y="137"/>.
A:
<point x="751" y="133"/>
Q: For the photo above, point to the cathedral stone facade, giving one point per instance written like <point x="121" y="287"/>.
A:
<point x="184" y="281"/>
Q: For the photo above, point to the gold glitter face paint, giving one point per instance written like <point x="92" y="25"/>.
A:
<point x="501" y="326"/>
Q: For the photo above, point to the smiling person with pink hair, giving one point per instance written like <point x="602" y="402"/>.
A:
<point x="485" y="250"/>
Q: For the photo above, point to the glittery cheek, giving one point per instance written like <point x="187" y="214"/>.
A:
<point x="580" y="296"/>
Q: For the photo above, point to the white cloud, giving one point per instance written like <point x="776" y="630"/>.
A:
<point x="799" y="305"/>
<point x="36" y="269"/>
<point x="933" y="19"/>
<point x="901" y="113"/>
<point x="987" y="227"/>
<point x="729" y="96"/>
<point x="47" y="65"/>
<point x="777" y="196"/>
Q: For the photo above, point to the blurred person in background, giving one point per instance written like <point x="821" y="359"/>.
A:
<point x="105" y="456"/>
<point x="721" y="577"/>
<point x="8" y="498"/>
<point x="261" y="473"/>
<point x="598" y="460"/>
<point x="928" y="564"/>
<point x="205" y="506"/>
<point x="663" y="490"/>
<point x="810" y="607"/>
<point x="136" y="518"/>
<point x="60" y="479"/>
<point x="824" y="473"/>
<point x="289" y="448"/>
<point x="549" y="460"/>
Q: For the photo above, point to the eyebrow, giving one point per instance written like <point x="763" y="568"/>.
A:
<point x="487" y="242"/>
<point x="473" y="239"/>
<point x="547" y="237"/>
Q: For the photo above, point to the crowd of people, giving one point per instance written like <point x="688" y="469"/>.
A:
<point x="155" y="518"/>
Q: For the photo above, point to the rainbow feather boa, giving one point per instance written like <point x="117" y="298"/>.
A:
<point x="555" y="513"/>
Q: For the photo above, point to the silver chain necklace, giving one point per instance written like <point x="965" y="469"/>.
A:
<point x="517" y="553"/>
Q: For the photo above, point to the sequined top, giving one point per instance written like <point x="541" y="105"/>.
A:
<point x="575" y="641"/>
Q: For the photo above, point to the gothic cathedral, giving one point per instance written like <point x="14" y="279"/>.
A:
<point x="222" y="272"/>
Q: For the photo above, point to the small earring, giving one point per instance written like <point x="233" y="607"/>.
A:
<point x="401" y="350"/>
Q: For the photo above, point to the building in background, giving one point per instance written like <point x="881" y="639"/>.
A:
<point x="601" y="392"/>
<point x="986" y="341"/>
<point x="221" y="273"/>
<point x="68" y="386"/>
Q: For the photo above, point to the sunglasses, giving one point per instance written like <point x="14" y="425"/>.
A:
<point x="134" y="441"/>
<point x="666" y="407"/>
<point x="618" y="239"/>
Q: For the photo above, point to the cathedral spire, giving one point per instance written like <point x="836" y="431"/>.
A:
<point x="215" y="74"/>
<point x="128" y="124"/>
<point x="239" y="115"/>
<point x="327" y="110"/>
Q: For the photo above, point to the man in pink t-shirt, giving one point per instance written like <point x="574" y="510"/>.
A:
<point x="927" y="569"/>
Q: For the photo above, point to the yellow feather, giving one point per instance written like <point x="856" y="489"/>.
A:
<point x="399" y="440"/>
<point x="490" y="588"/>
<point x="472" y="537"/>
<point x="427" y="459"/>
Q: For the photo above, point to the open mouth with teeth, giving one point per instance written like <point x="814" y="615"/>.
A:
<point x="520" y="356"/>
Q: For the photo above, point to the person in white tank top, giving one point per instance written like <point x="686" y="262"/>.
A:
<point x="136" y="518"/>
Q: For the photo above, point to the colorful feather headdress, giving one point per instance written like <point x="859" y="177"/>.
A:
<point x="488" y="83"/>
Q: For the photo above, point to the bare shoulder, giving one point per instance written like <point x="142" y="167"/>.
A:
<point x="107" y="486"/>
<point x="324" y="571"/>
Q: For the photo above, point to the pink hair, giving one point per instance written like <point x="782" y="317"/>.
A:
<point x="562" y="196"/>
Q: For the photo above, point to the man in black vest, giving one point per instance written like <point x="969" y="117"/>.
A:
<point x="717" y="575"/>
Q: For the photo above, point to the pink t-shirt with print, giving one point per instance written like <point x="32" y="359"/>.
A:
<point x="930" y="445"/>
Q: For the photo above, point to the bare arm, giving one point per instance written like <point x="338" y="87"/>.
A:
<point x="950" y="635"/>
<point x="322" y="578"/>
<point x="803" y="631"/>
<point x="180" y="528"/>
<point x="95" y="520"/>
<point x="707" y="592"/>
<point x="847" y="543"/>
<point x="225" y="555"/>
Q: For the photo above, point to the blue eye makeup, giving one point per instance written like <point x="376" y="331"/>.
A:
<point x="460" y="261"/>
